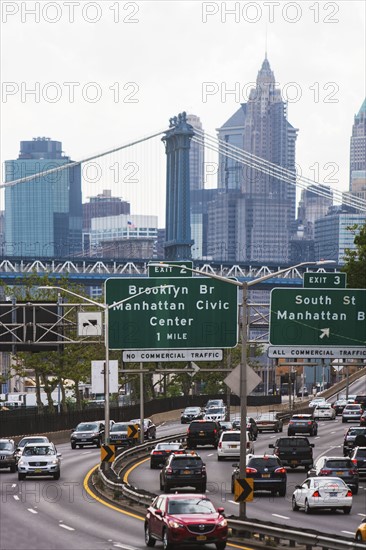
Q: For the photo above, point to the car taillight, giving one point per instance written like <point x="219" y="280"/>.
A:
<point x="291" y="422"/>
<point x="250" y="470"/>
<point x="281" y="470"/>
<point x="169" y="471"/>
<point x="215" y="431"/>
<point x="157" y="453"/>
<point x="324" y="472"/>
<point x="349" y="493"/>
<point x="309" y="423"/>
<point x="220" y="445"/>
<point x="316" y="494"/>
<point x="353" y="472"/>
<point x="354" y="460"/>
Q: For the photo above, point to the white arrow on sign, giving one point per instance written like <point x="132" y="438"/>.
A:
<point x="324" y="332"/>
<point x="90" y="324"/>
<point x="233" y="380"/>
<point x="192" y="367"/>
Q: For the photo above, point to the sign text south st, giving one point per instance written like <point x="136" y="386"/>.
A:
<point x="189" y="313"/>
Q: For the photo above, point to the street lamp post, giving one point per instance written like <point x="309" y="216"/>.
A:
<point x="106" y="308"/>
<point x="244" y="286"/>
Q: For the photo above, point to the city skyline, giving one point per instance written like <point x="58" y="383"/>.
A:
<point x="325" y="72"/>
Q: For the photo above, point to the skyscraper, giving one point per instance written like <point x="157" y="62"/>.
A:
<point x="43" y="216"/>
<point x="358" y="154"/>
<point x="266" y="210"/>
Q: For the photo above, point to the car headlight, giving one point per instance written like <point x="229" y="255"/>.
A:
<point x="54" y="461"/>
<point x="21" y="463"/>
<point x="223" y="523"/>
<point x="174" y="524"/>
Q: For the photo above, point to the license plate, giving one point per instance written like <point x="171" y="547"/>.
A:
<point x="333" y="494"/>
<point x="339" y="473"/>
<point x="201" y="537"/>
<point x="201" y="433"/>
<point x="186" y="472"/>
<point x="83" y="440"/>
<point x="266" y="475"/>
<point x="294" y="461"/>
<point x="233" y="446"/>
<point x="37" y="471"/>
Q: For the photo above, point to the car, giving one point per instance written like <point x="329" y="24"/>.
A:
<point x="303" y="392"/>
<point x="203" y="432"/>
<point x="302" y="423"/>
<point x="29" y="439"/>
<point x="214" y="403"/>
<point x="229" y="445"/>
<point x="352" y="412"/>
<point x="317" y="401"/>
<point x="185" y="519"/>
<point x="87" y="433"/>
<point x="294" y="451"/>
<point x="118" y="435"/>
<point x="267" y="472"/>
<point x="269" y="422"/>
<point x="361" y="400"/>
<point x="191" y="413"/>
<point x="319" y="493"/>
<point x="324" y="412"/>
<point x="39" y="459"/>
<point x="363" y="419"/>
<point x="161" y="452"/>
<point x="252" y="427"/>
<point x="183" y="470"/>
<point x="149" y="427"/>
<point x="216" y="413"/>
<point x="7" y="454"/>
<point x="226" y="425"/>
<point x="339" y="405"/>
<point x="358" y="458"/>
<point x="360" y="534"/>
<point x="350" y="436"/>
<point x="336" y="466"/>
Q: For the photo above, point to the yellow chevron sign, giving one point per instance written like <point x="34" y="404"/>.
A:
<point x="243" y="489"/>
<point x="107" y="453"/>
<point x="133" y="431"/>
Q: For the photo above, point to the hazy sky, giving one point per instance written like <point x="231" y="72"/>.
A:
<point x="95" y="75"/>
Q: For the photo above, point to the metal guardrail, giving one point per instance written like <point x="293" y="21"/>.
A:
<point x="269" y="534"/>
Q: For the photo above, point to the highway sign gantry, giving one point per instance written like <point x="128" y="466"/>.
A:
<point x="318" y="317"/>
<point x="195" y="312"/>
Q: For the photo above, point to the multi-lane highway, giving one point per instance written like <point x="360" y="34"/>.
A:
<point x="59" y="515"/>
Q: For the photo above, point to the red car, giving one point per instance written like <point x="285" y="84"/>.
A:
<point x="185" y="519"/>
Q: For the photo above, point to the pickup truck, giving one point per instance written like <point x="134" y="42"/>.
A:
<point x="294" y="451"/>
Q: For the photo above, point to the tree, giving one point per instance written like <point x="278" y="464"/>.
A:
<point x="355" y="260"/>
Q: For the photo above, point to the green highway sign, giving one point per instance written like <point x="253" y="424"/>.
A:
<point x="318" y="317"/>
<point x="169" y="271"/>
<point x="196" y="312"/>
<point x="325" y="280"/>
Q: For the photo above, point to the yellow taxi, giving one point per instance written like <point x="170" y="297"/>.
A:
<point x="361" y="531"/>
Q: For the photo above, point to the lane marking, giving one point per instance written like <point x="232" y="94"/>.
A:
<point x="348" y="532"/>
<point x="233" y="502"/>
<point x="119" y="545"/>
<point x="66" y="527"/>
<point x="279" y="516"/>
<point x="14" y="485"/>
<point x="362" y="515"/>
<point x="32" y="511"/>
<point x="16" y="497"/>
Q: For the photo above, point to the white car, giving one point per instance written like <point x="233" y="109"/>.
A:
<point x="216" y="413"/>
<point x="317" y="493"/>
<point x="229" y="445"/>
<point x="39" y="459"/>
<point x="317" y="401"/>
<point x="324" y="412"/>
<point x="352" y="412"/>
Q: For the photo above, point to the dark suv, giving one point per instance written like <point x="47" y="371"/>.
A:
<point x="7" y="454"/>
<point x="183" y="470"/>
<point x="337" y="466"/>
<point x="267" y="472"/>
<point x="203" y="432"/>
<point x="87" y="433"/>
<point x="350" y="441"/>
<point x="302" y="424"/>
<point x="358" y="458"/>
<point x="294" y="451"/>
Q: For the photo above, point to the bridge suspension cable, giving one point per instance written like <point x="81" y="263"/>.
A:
<point x="75" y="163"/>
<point x="274" y="170"/>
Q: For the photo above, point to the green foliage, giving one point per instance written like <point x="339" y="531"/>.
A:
<point x="355" y="260"/>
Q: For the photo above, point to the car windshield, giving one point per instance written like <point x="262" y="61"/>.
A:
<point x="201" y="426"/>
<point x="355" y="431"/>
<point x="231" y="436"/>
<point x="119" y="428"/>
<point x="330" y="484"/>
<point x="5" y="446"/>
<point x="361" y="451"/>
<point x="85" y="427"/>
<point x="168" y="446"/>
<point x="42" y="451"/>
<point x="187" y="462"/>
<point x="293" y="442"/>
<point x="302" y="417"/>
<point x="258" y="463"/>
<point x="191" y="410"/>
<point x="190" y="506"/>
<point x="24" y="442"/>
<point x="215" y="410"/>
<point x="352" y="407"/>
<point x="339" y="463"/>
